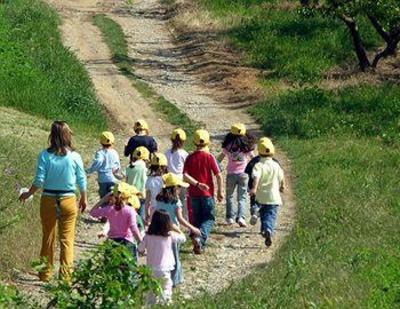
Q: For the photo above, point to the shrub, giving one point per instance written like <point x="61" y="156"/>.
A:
<point x="108" y="278"/>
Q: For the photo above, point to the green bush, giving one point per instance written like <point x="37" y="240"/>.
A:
<point x="38" y="75"/>
<point x="11" y="298"/>
<point x="108" y="278"/>
<point x="313" y="112"/>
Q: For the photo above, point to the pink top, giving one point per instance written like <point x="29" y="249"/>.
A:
<point x="122" y="222"/>
<point x="237" y="161"/>
<point x="160" y="256"/>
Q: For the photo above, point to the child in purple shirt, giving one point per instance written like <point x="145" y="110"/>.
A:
<point x="121" y="217"/>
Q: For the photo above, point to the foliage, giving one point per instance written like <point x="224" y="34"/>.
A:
<point x="108" y="278"/>
<point x="312" y="112"/>
<point x="37" y="73"/>
<point x="10" y="297"/>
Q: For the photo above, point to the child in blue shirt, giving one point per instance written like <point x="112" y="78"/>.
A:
<point x="106" y="162"/>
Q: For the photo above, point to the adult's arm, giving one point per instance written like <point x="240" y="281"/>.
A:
<point x="82" y="182"/>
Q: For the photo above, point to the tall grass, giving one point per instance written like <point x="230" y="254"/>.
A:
<point x="37" y="73"/>
<point x="277" y="38"/>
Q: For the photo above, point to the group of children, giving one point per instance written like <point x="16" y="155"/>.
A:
<point x="157" y="194"/>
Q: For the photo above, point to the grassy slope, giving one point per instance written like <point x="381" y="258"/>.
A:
<point x="345" y="149"/>
<point x="38" y="76"/>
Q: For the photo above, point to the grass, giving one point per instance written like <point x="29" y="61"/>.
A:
<point x="38" y="74"/>
<point x="43" y="81"/>
<point x="279" y="39"/>
<point x="344" y="147"/>
<point x="115" y="39"/>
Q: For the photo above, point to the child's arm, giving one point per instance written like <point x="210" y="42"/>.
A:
<point x="134" y="227"/>
<point x="186" y="224"/>
<point x="282" y="181"/>
<point x="96" y="164"/>
<point x="256" y="181"/>
<point x="147" y="210"/>
<point x="195" y="183"/>
<point x="142" y="246"/>
<point x="220" y="194"/>
<point x="176" y="228"/>
<point x="178" y="237"/>
<point x="221" y="157"/>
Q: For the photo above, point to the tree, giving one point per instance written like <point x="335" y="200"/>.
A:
<point x="384" y="16"/>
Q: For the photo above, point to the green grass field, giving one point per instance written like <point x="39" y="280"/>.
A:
<point x="345" y="150"/>
<point x="43" y="81"/>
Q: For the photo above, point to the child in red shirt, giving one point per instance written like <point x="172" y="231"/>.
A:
<point x="200" y="166"/>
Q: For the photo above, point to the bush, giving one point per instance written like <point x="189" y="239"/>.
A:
<point x="108" y="278"/>
<point x="10" y="297"/>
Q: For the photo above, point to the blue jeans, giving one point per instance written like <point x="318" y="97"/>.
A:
<point x="268" y="214"/>
<point x="203" y="215"/>
<point x="240" y="181"/>
<point x="105" y="188"/>
<point x="177" y="273"/>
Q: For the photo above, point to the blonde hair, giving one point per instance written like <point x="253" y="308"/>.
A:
<point x="60" y="138"/>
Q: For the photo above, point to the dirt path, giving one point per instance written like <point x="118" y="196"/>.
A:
<point x="233" y="252"/>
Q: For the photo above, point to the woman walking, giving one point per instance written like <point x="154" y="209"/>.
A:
<point x="59" y="169"/>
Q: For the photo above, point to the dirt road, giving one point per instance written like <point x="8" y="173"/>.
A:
<point x="233" y="251"/>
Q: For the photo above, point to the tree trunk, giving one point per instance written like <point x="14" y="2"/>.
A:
<point x="358" y="43"/>
<point x="388" y="51"/>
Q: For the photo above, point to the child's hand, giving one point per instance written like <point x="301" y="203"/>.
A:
<point x="220" y="196"/>
<point x="196" y="232"/>
<point x="252" y="192"/>
<point x="101" y="235"/>
<point x="203" y="186"/>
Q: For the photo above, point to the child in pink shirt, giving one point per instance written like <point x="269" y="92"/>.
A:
<point x="158" y="242"/>
<point x="121" y="217"/>
<point x="238" y="147"/>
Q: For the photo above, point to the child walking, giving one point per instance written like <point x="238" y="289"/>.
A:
<point x="168" y="200"/>
<point x="238" y="147"/>
<point x="121" y="217"/>
<point x="158" y="242"/>
<point x="200" y="166"/>
<point x="176" y="157"/>
<point x="268" y="183"/>
<point x="141" y="138"/>
<point x="136" y="174"/>
<point x="249" y="171"/>
<point x="106" y="161"/>
<point x="154" y="183"/>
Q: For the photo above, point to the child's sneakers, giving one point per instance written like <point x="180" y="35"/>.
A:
<point x="268" y="240"/>
<point x="196" y="245"/>
<point x="241" y="222"/>
<point x="253" y="219"/>
<point x="229" y="221"/>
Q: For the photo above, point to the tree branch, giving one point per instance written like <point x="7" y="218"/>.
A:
<point x="378" y="27"/>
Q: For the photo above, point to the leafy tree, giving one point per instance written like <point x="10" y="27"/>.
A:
<point x="109" y="278"/>
<point x="384" y="16"/>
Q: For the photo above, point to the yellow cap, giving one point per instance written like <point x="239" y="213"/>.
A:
<point x="141" y="124"/>
<point x="128" y="193"/>
<point x="159" y="158"/>
<point x="141" y="152"/>
<point x="107" y="138"/>
<point x="265" y="147"/>
<point x="238" y="129"/>
<point x="172" y="180"/>
<point x="201" y="137"/>
<point x="178" y="133"/>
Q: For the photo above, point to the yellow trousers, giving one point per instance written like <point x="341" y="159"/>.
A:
<point x="63" y="211"/>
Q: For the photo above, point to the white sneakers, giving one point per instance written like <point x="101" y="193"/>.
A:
<point x="230" y="221"/>
<point x="241" y="222"/>
<point x="253" y="219"/>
